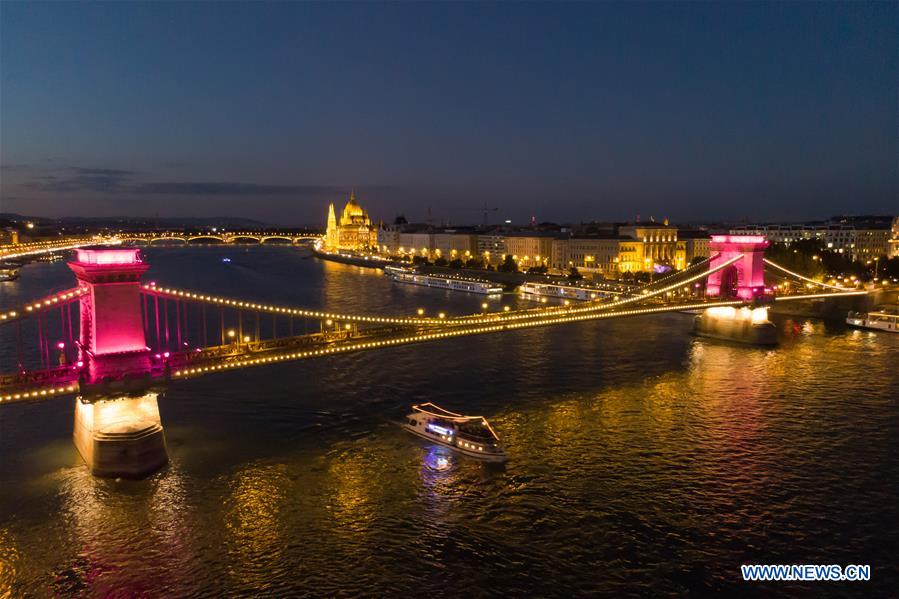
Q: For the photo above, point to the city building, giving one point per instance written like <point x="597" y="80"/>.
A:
<point x="492" y="246"/>
<point x="455" y="243"/>
<point x="691" y="244"/>
<point x="648" y="246"/>
<point x="598" y="254"/>
<point x="353" y="231"/>
<point x="9" y="236"/>
<point x="860" y="237"/>
<point x="531" y="248"/>
<point x="894" y="238"/>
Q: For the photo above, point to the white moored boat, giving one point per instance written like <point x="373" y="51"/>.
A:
<point x="469" y="435"/>
<point x="452" y="283"/>
<point x="885" y="320"/>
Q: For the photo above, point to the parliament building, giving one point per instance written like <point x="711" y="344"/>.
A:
<point x="354" y="230"/>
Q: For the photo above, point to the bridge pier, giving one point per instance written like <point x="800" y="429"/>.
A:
<point x="121" y="437"/>
<point x="741" y="325"/>
<point x="743" y="280"/>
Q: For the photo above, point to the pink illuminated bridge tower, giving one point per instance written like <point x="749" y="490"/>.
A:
<point x="112" y="342"/>
<point x="745" y="278"/>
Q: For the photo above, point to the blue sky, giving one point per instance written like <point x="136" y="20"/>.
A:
<point x="562" y="111"/>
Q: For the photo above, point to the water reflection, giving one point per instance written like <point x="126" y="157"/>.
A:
<point x="9" y="557"/>
<point x="254" y="523"/>
<point x="632" y="446"/>
<point x="116" y="526"/>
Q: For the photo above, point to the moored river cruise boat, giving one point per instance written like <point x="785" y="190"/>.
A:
<point x="884" y="320"/>
<point x="410" y="277"/>
<point x="469" y="435"/>
<point x="540" y="290"/>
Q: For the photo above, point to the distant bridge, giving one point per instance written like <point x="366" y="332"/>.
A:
<point x="221" y="237"/>
<point x="58" y="244"/>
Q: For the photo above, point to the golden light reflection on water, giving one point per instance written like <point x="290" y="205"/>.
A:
<point x="352" y="482"/>
<point x="254" y="522"/>
<point x="9" y="557"/>
<point x="103" y="515"/>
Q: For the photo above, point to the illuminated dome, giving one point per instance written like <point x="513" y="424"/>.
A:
<point x="353" y="213"/>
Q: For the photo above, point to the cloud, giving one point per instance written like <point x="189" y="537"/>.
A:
<point x="110" y="172"/>
<point x="221" y="188"/>
<point x="96" y="180"/>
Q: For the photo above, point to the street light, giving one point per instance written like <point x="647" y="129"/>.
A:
<point x="231" y="334"/>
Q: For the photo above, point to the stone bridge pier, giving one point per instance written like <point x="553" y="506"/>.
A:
<point x="119" y="434"/>
<point x="120" y="437"/>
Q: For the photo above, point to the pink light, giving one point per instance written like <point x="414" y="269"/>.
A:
<point x="126" y="256"/>
<point x="79" y="363"/>
<point x="738" y="239"/>
<point x="61" y="345"/>
<point x="166" y="355"/>
<point x="158" y="356"/>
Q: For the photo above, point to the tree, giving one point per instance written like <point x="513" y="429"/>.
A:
<point x="508" y="265"/>
<point x="573" y="274"/>
<point x="441" y="261"/>
<point x="474" y="262"/>
<point x="537" y="270"/>
<point x="420" y="260"/>
<point x="456" y="263"/>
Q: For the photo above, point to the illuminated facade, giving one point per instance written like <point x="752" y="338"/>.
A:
<point x="591" y="254"/>
<point x="530" y="249"/>
<point x="861" y="238"/>
<point x="643" y="247"/>
<point x="894" y="239"/>
<point x="353" y="231"/>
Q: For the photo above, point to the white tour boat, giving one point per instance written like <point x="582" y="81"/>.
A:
<point x="469" y="435"/>
<point x="561" y="291"/>
<point x="885" y="320"/>
<point x="401" y="275"/>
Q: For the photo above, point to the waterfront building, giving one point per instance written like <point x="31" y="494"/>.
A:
<point x="861" y="238"/>
<point x="894" y="239"/>
<point x="691" y="244"/>
<point x="9" y="236"/>
<point x="529" y="248"/>
<point x="646" y="246"/>
<point x="388" y="239"/>
<point x="353" y="231"/>
<point x="455" y="243"/>
<point x="596" y="254"/>
<point x="491" y="246"/>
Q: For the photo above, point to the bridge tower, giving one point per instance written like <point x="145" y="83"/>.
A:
<point x="745" y="278"/>
<point x="112" y="331"/>
<point x="118" y="435"/>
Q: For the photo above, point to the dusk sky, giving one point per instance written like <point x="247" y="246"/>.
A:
<point x="569" y="112"/>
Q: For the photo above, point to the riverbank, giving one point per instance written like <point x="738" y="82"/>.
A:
<point x="509" y="280"/>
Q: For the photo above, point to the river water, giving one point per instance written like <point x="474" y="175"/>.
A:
<point x="642" y="461"/>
